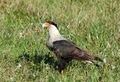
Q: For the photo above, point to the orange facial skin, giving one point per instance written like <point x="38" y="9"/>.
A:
<point x="47" y="25"/>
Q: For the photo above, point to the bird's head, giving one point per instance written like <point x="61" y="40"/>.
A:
<point x="53" y="31"/>
<point x="49" y="24"/>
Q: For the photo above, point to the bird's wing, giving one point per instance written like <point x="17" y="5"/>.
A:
<point x="67" y="49"/>
<point x="81" y="54"/>
<point x="63" y="47"/>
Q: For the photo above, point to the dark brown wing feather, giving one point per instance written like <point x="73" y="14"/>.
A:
<point x="67" y="49"/>
<point x="81" y="54"/>
<point x="63" y="48"/>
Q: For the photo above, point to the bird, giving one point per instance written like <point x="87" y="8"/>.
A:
<point x="64" y="49"/>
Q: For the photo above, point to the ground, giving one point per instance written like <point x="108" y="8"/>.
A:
<point x="94" y="25"/>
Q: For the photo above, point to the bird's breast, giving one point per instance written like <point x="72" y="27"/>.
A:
<point x="49" y="43"/>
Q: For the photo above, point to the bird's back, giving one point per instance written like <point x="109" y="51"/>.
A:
<point x="67" y="48"/>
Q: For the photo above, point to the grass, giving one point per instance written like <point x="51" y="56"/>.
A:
<point x="94" y="25"/>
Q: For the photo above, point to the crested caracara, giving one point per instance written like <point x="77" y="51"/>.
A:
<point x="64" y="49"/>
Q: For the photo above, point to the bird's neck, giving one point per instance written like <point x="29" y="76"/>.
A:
<point x="54" y="34"/>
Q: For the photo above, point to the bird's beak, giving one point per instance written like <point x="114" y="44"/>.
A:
<point x="43" y="25"/>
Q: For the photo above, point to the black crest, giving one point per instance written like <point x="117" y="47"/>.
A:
<point x="51" y="22"/>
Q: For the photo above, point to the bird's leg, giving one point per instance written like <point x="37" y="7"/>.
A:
<point x="61" y="65"/>
<point x="63" y="62"/>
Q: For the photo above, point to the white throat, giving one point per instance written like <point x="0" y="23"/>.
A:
<point x="54" y="34"/>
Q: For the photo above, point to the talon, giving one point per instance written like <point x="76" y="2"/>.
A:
<point x="62" y="71"/>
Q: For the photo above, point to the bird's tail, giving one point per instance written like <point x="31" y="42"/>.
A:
<point x="95" y="64"/>
<point x="98" y="59"/>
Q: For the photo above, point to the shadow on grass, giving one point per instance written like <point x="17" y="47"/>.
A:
<point x="37" y="60"/>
